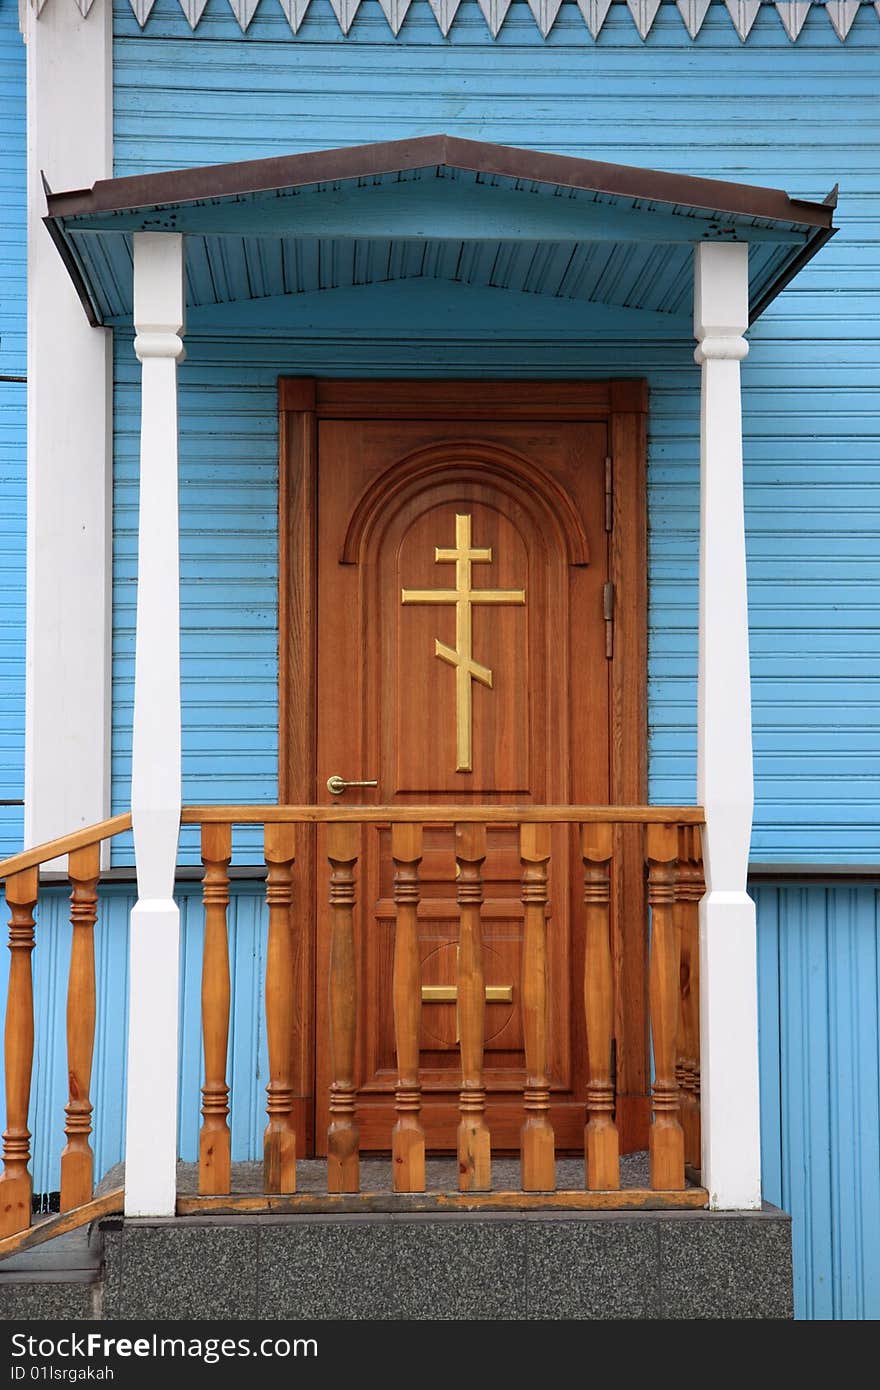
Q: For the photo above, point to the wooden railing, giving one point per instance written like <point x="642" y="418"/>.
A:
<point x="674" y="885"/>
<point x="21" y="877"/>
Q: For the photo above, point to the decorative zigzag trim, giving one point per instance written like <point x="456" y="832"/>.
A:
<point x="743" y="13"/>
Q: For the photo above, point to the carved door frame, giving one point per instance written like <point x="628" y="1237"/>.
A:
<point x="623" y="404"/>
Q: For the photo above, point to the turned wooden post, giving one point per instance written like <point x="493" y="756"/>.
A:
<point x="77" y="1161"/>
<point x="408" y="1136"/>
<point x="15" y="1181"/>
<point x="215" y="1157"/>
<point x="688" y="894"/>
<point x="343" y="1162"/>
<point x="666" y="1141"/>
<point x="601" y="1141"/>
<point x="474" y="1149"/>
<point x="538" y="1152"/>
<point x="279" y="1140"/>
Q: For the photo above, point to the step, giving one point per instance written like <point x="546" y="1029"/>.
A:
<point x="59" y="1279"/>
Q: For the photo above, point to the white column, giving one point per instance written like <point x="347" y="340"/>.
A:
<point x="728" y="976"/>
<point x="67" y="712"/>
<point x="151" y="1122"/>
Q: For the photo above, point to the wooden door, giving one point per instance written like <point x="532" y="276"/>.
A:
<point x="462" y="655"/>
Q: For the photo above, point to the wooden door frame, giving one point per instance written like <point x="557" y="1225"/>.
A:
<point x="623" y="404"/>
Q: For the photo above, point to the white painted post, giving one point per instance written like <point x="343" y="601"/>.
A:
<point x="731" y="1155"/>
<point x="151" y="1120"/>
<point x="67" y="663"/>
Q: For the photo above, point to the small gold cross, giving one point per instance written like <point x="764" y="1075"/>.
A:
<point x="448" y="994"/>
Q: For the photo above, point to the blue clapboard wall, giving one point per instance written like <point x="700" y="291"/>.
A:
<point x="819" y="975"/>
<point x="13" y="249"/>
<point x="800" y="116"/>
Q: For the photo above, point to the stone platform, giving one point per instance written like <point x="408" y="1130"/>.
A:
<point x="392" y="1265"/>
<point x="528" y="1265"/>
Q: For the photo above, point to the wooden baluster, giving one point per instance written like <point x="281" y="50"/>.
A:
<point x="537" y="1139"/>
<point x="215" y="1158"/>
<point x="689" y="892"/>
<point x="601" y="1141"/>
<point x="15" y="1181"/>
<point x="408" y="1136"/>
<point x="279" y="1140"/>
<point x="666" y="1141"/>
<point x="474" y="1148"/>
<point x="77" y="1162"/>
<point x="343" y="1163"/>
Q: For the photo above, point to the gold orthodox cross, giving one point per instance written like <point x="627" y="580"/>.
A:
<point x="464" y="596"/>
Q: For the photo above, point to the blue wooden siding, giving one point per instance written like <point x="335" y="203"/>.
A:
<point x="13" y="241"/>
<point x="229" y="581"/>
<point x="766" y="112"/>
<point x="820" y="1079"/>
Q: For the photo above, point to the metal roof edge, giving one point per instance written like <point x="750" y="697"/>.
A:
<point x="777" y="285"/>
<point x="74" y="270"/>
<point x="372" y="160"/>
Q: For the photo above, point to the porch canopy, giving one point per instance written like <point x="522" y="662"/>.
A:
<point x="568" y="243"/>
<point x="435" y="207"/>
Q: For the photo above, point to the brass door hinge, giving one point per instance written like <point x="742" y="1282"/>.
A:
<point x="608" y="615"/>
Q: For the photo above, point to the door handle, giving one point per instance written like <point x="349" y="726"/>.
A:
<point x="336" y="785"/>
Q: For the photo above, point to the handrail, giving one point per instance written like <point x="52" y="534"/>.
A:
<point x="366" y="815"/>
<point x="78" y="839"/>
<point x="108" y="1204"/>
<point x="444" y="815"/>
